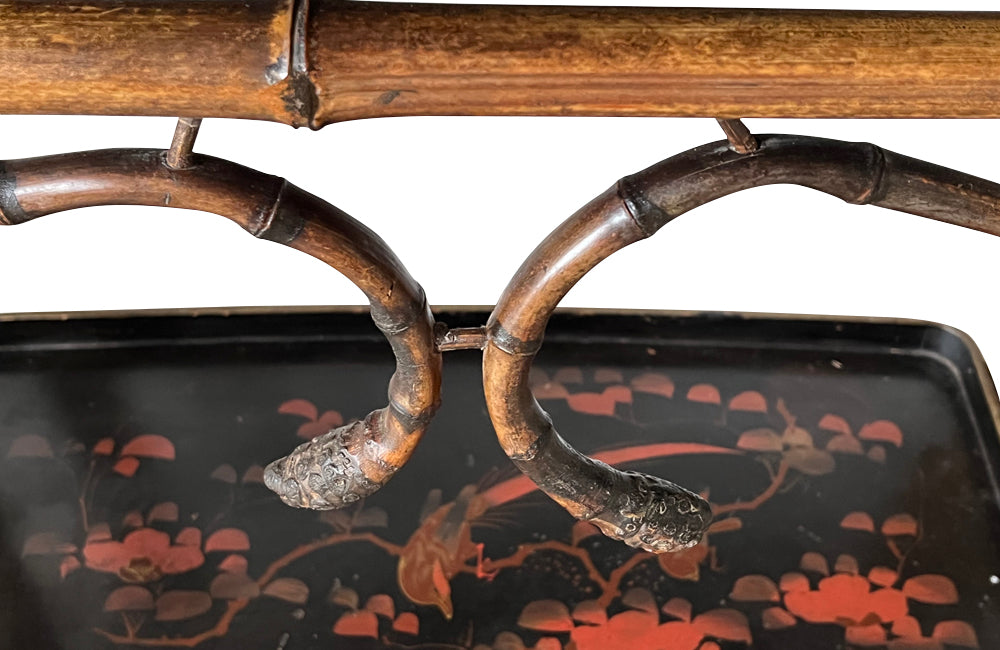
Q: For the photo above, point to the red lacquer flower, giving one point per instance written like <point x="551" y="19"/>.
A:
<point x="145" y="555"/>
<point x="590" y="627"/>
<point x="848" y="600"/>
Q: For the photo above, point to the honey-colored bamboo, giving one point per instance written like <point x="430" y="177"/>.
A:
<point x="312" y="62"/>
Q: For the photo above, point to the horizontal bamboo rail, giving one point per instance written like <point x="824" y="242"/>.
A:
<point x="312" y="62"/>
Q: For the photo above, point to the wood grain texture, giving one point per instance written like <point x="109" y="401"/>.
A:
<point x="370" y="59"/>
<point x="192" y="58"/>
<point x="312" y="62"/>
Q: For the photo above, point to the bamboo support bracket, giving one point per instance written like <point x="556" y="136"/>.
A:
<point x="342" y="465"/>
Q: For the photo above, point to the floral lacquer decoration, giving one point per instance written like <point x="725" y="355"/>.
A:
<point x="171" y="575"/>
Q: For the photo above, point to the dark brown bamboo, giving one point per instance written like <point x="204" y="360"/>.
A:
<point x="312" y="62"/>
<point x="350" y="462"/>
<point x="645" y="511"/>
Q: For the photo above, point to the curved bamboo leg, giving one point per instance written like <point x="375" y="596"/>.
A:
<point x="645" y="511"/>
<point x="347" y="463"/>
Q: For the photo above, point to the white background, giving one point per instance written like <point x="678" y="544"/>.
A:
<point x="462" y="201"/>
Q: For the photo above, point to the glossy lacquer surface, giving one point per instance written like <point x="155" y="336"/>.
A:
<point x="848" y="465"/>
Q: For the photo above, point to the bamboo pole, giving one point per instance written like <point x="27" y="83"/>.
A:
<point x="313" y="62"/>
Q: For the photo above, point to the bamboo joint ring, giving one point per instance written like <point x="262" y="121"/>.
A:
<point x="645" y="511"/>
<point x="349" y="462"/>
<point x="353" y="461"/>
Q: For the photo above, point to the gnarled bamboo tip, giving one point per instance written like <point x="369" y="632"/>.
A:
<point x="328" y="472"/>
<point x="339" y="467"/>
<point x="640" y="510"/>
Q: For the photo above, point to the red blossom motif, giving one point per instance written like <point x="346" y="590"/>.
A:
<point x="883" y="576"/>
<point x="848" y="600"/>
<point x="546" y="616"/>
<point x="608" y="376"/>
<point x="900" y="524"/>
<point x="755" y="588"/>
<point x="858" y="521"/>
<point x="704" y="393"/>
<point x="227" y="539"/>
<point x="30" y="446"/>
<point x="149" y="446"/>
<point x="167" y="511"/>
<point x="642" y="630"/>
<point x="68" y="565"/>
<point x="877" y="454"/>
<point x="381" y="605"/>
<point x="749" y="400"/>
<point x="931" y="588"/>
<point x="129" y="599"/>
<point x="866" y="635"/>
<point x="549" y="390"/>
<point x="145" y="555"/>
<point x="600" y="403"/>
<point x="835" y="423"/>
<point x="775" y="618"/>
<point x="291" y="590"/>
<point x="300" y="407"/>
<point x="953" y="633"/>
<point x="882" y="431"/>
<point x="127" y="466"/>
<point x="571" y="375"/>
<point x="653" y="383"/>
<point x="407" y="623"/>
<point x="357" y="624"/>
<point x="234" y="564"/>
<point x="182" y="604"/>
<point x="329" y="420"/>
<point x="845" y="445"/>
<point x="956" y="633"/>
<point x="104" y="447"/>
<point x="637" y="630"/>
<point x="317" y="424"/>
<point x="548" y="643"/>
<point x="591" y="612"/>
<point x="189" y="536"/>
<point x="814" y="562"/>
<point x="685" y="564"/>
<point x="233" y="586"/>
<point x="590" y="628"/>
<point x="678" y="608"/>
<point x="640" y="599"/>
<point x="794" y="581"/>
<point x="764" y="440"/>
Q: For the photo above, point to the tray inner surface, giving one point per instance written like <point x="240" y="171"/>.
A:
<point x="849" y="463"/>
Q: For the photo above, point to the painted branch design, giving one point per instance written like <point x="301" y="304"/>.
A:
<point x="182" y="581"/>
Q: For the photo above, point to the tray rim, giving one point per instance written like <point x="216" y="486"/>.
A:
<point x="982" y="372"/>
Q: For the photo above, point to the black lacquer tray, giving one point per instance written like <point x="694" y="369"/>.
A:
<point x="851" y="464"/>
